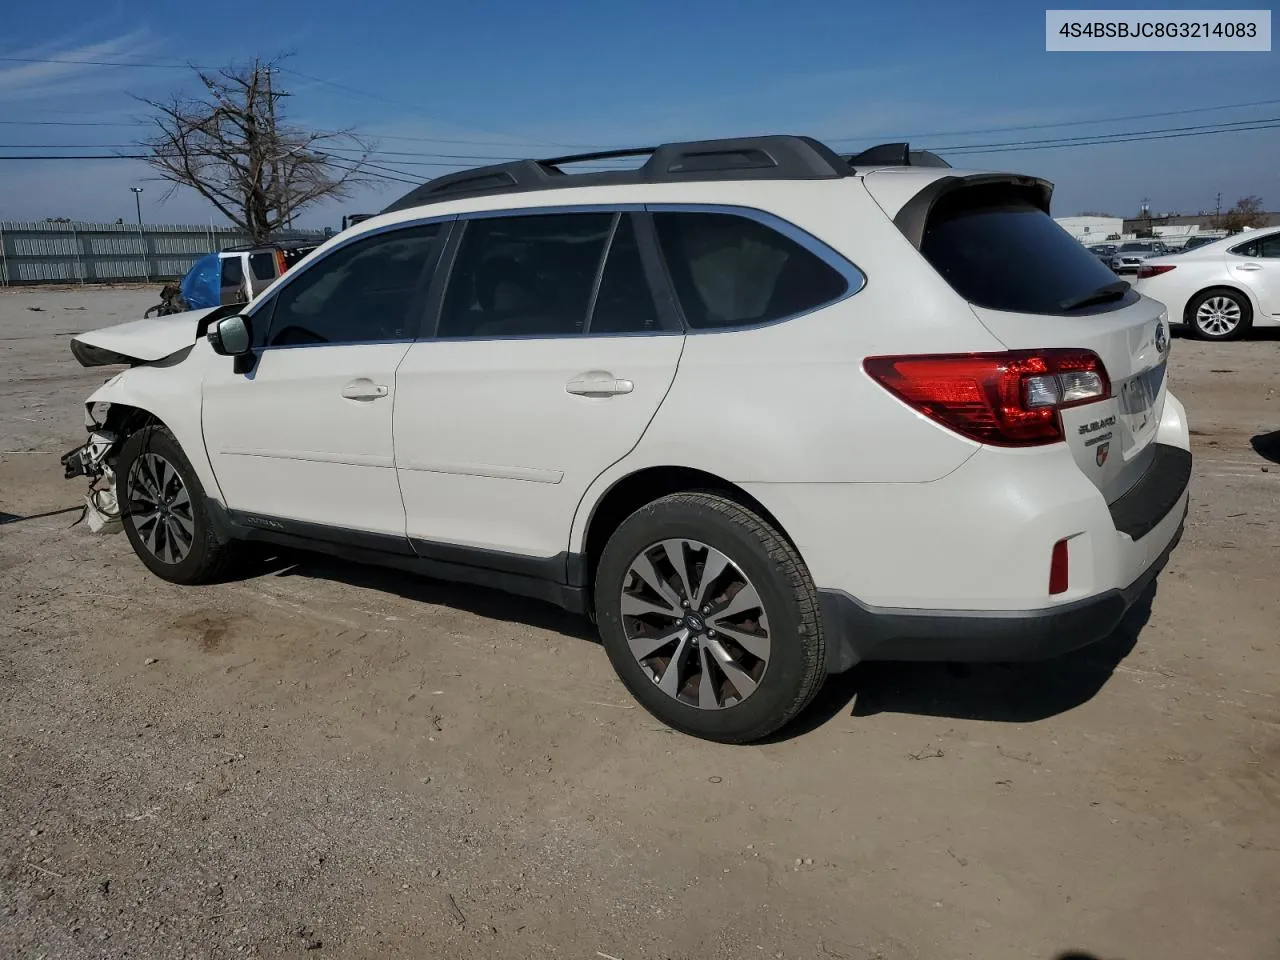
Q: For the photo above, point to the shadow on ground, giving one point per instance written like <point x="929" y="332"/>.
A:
<point x="1006" y="693"/>
<point x="458" y="596"/>
<point x="1267" y="445"/>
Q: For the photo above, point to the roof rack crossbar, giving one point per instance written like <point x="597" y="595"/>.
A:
<point x="600" y="155"/>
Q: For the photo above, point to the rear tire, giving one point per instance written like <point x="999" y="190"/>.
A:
<point x="721" y="636"/>
<point x="164" y="510"/>
<point x="1219" y="314"/>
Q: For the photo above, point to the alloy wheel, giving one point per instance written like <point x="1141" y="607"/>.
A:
<point x="1218" y="316"/>
<point x="695" y="623"/>
<point x="160" y="508"/>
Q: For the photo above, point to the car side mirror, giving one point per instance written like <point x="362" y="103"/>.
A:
<point x="231" y="336"/>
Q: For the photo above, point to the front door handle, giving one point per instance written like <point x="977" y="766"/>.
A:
<point x="598" y="384"/>
<point x="1248" y="266"/>
<point x="364" y="389"/>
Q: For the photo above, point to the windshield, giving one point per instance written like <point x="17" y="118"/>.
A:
<point x="1135" y="248"/>
<point x="999" y="250"/>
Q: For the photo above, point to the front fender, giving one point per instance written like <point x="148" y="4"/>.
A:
<point x="170" y="393"/>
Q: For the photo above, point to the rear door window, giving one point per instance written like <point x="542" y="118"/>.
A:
<point x="624" y="301"/>
<point x="525" y="276"/>
<point x="733" y="271"/>
<point x="1268" y="247"/>
<point x="999" y="250"/>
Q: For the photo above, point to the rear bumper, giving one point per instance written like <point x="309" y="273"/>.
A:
<point x="856" y="631"/>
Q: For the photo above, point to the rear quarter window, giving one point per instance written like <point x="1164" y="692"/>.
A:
<point x="732" y="271"/>
<point x="999" y="250"/>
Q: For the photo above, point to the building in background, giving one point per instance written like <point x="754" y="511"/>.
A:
<point x="1089" y="230"/>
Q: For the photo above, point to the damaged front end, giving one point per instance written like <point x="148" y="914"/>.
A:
<point x="94" y="460"/>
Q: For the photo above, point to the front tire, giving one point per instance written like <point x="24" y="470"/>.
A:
<point x="164" y="510"/>
<point x="1220" y="314"/>
<point x="710" y="618"/>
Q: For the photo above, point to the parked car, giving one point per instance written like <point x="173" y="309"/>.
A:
<point x="1220" y="289"/>
<point x="1131" y="255"/>
<point x="248" y="270"/>
<point x="1194" y="242"/>
<point x="669" y="399"/>
<point x="1104" y="252"/>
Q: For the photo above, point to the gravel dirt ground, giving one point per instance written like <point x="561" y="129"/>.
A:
<point x="326" y="760"/>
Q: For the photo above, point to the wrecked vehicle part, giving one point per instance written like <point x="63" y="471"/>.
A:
<point x="102" y="507"/>
<point x="147" y="341"/>
<point x="154" y="350"/>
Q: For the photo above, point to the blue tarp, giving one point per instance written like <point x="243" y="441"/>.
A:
<point x="202" y="286"/>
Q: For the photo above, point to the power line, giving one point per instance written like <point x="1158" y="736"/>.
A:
<point x="1065" y="123"/>
<point x="449" y="160"/>
<point x="99" y="156"/>
<point x="1217" y="127"/>
<point x="75" y="123"/>
<point x="356" y="91"/>
<point x="518" y="144"/>
<point x="95" y="63"/>
<point x="426" y="158"/>
<point x="1262" y="125"/>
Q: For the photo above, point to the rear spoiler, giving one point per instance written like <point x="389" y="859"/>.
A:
<point x="914" y="214"/>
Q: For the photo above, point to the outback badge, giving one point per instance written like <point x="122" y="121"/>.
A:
<point x="1101" y="455"/>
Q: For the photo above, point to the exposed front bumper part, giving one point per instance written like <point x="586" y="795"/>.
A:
<point x="856" y="631"/>
<point x="88" y="460"/>
<point x="102" y="511"/>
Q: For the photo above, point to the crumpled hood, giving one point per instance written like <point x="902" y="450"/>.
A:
<point x="138" y="340"/>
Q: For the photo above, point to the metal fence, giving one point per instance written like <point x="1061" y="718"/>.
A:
<point x="48" y="252"/>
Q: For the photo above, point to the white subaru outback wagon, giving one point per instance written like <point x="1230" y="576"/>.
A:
<point x="759" y="410"/>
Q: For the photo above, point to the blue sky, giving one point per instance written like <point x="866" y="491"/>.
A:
<point x="508" y="78"/>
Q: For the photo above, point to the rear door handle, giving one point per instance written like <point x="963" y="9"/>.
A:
<point x="1248" y="266"/>
<point x="598" y="384"/>
<point x="364" y="389"/>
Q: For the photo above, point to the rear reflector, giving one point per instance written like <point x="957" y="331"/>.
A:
<point x="1058" y="573"/>
<point x="1005" y="399"/>
<point x="1154" y="270"/>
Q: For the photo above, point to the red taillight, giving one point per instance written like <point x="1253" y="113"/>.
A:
<point x="1058" y="574"/>
<point x="1154" y="270"/>
<point x="281" y="263"/>
<point x="1005" y="399"/>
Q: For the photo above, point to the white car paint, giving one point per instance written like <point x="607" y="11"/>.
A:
<point x="496" y="452"/>
<point x="308" y="436"/>
<point x="1218" y="265"/>
<point x="477" y="443"/>
<point x="150" y="339"/>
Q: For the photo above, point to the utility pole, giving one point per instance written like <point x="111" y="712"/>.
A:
<point x="137" y="202"/>
<point x="273" y="142"/>
<point x="1217" y="212"/>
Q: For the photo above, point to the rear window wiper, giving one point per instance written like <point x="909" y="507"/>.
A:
<point x="1108" y="291"/>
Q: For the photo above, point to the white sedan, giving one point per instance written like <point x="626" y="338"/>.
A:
<point x="1219" y="290"/>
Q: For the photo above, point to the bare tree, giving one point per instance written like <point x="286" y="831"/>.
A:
<point x="1246" y="213"/>
<point x="233" y="146"/>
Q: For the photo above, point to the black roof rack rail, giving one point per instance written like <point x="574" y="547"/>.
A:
<point x="895" y="155"/>
<point x="779" y="157"/>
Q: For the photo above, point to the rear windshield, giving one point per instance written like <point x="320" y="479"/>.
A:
<point x="999" y="250"/>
